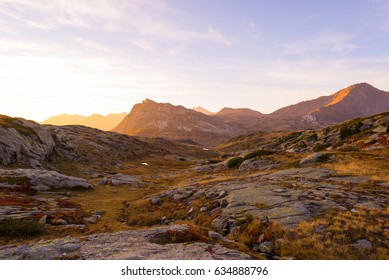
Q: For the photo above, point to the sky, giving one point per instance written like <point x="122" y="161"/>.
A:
<point x="103" y="56"/>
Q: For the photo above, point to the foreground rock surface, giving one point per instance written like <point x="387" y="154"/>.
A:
<point x="130" y="245"/>
<point x="287" y="196"/>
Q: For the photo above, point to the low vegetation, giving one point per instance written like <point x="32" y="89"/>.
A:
<point x="249" y="231"/>
<point x="350" y="128"/>
<point x="213" y="161"/>
<point x="257" y="153"/>
<point x="8" y="122"/>
<point x="320" y="147"/>
<point x="15" y="228"/>
<point x="142" y="213"/>
<point x="336" y="235"/>
<point x="235" y="162"/>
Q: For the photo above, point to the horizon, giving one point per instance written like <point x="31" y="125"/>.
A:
<point x="102" y="57"/>
<point x="199" y="106"/>
<point x="192" y="108"/>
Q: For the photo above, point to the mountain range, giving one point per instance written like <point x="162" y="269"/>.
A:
<point x="355" y="101"/>
<point x="151" y="119"/>
<point x="95" y="121"/>
<point x="200" y="126"/>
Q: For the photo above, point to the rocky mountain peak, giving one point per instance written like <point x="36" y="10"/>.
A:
<point x="148" y="101"/>
<point x="152" y="119"/>
<point x="353" y="91"/>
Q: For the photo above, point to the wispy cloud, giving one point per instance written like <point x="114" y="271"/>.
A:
<point x="143" y="19"/>
<point x="5" y="27"/>
<point x="216" y="36"/>
<point x="326" y="40"/>
<point x="48" y="14"/>
<point x="90" y="45"/>
<point x="143" y="44"/>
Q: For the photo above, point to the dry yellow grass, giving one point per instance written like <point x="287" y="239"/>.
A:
<point x="334" y="236"/>
<point x="111" y="200"/>
<point x="374" y="165"/>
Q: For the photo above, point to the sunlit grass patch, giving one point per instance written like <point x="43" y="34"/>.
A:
<point x="335" y="235"/>
<point x="143" y="213"/>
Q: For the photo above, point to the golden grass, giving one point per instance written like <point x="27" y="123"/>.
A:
<point x="143" y="213"/>
<point x="338" y="234"/>
<point x="374" y="165"/>
<point x="109" y="199"/>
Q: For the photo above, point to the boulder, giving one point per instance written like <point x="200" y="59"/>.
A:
<point x="365" y="127"/>
<point x="266" y="247"/>
<point x="120" y="179"/>
<point x="312" y="158"/>
<point x="92" y="219"/>
<point x="222" y="194"/>
<point x="43" y="220"/>
<point x="363" y="244"/>
<point x="380" y="129"/>
<point x="217" y="236"/>
<point x="223" y="203"/>
<point x="155" y="200"/>
<point x="42" y="180"/>
<point x="256" y="164"/>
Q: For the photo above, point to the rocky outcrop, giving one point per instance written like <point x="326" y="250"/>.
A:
<point x="257" y="164"/>
<point x="41" y="179"/>
<point x="287" y="197"/>
<point x="368" y="133"/>
<point x="24" y="141"/>
<point x="32" y="145"/>
<point x="89" y="145"/>
<point x="121" y="179"/>
<point x="316" y="158"/>
<point x="125" y="245"/>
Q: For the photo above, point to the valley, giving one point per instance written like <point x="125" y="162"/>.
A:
<point x="73" y="192"/>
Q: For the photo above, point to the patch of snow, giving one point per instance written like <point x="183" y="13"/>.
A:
<point x="309" y="119"/>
